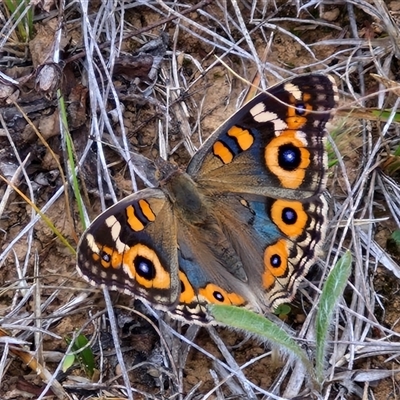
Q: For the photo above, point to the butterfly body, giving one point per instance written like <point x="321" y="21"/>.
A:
<point x="240" y="226"/>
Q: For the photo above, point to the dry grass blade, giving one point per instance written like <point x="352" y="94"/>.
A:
<point x="143" y="80"/>
<point x="29" y="360"/>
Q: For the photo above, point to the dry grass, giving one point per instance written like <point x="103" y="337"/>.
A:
<point x="42" y="300"/>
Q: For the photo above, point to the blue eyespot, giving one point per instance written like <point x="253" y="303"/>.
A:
<point x="218" y="296"/>
<point x="289" y="216"/>
<point x="145" y="268"/>
<point x="300" y="109"/>
<point x="105" y="257"/>
<point x="289" y="157"/>
<point x="276" y="261"/>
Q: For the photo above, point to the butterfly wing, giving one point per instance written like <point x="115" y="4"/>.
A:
<point x="132" y="247"/>
<point x="274" y="145"/>
<point x="211" y="272"/>
<point x="278" y="242"/>
<point x="264" y="170"/>
<point x="252" y="253"/>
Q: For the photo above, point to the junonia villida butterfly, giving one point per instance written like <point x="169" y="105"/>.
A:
<point x="240" y="226"/>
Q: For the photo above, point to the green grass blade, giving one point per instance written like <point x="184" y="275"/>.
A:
<point x="331" y="292"/>
<point x="22" y="11"/>
<point x="71" y="156"/>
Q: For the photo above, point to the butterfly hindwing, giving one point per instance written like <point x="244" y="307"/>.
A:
<point x="277" y="244"/>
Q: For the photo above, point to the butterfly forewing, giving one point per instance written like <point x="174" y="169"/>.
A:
<point x="274" y="145"/>
<point x="118" y="249"/>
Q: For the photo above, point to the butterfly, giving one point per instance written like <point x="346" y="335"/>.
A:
<point x="241" y="226"/>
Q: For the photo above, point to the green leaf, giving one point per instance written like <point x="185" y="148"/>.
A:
<point x="396" y="236"/>
<point x="83" y="353"/>
<point x="256" y="324"/>
<point x="68" y="362"/>
<point x="282" y="309"/>
<point x="85" y="356"/>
